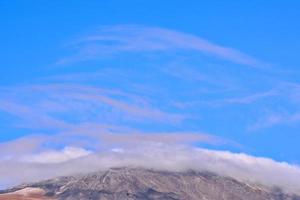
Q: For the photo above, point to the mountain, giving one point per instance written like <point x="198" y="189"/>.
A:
<point x="144" y="184"/>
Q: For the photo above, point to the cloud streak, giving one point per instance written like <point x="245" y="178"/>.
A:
<point x="135" y="38"/>
<point x="54" y="101"/>
<point x="276" y="119"/>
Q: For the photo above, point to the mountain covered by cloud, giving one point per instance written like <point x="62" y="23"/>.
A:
<point x="158" y="156"/>
<point x="141" y="183"/>
<point x="137" y="96"/>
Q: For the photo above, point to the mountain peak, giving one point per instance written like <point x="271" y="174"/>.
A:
<point x="148" y="184"/>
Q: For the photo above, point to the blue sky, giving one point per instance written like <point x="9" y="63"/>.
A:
<point x="225" y="71"/>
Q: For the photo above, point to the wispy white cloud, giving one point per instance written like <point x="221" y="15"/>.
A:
<point x="20" y="146"/>
<point x="287" y="109"/>
<point x="162" y="137"/>
<point x="135" y="38"/>
<point x="282" y="118"/>
<point x="252" y="98"/>
<point x="56" y="104"/>
<point x="98" y="136"/>
<point x="222" y="89"/>
<point x="29" y="116"/>
<point x="54" y="100"/>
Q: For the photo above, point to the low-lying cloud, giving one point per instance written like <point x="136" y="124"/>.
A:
<point x="158" y="156"/>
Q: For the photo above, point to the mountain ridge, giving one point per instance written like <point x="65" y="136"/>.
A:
<point x="148" y="184"/>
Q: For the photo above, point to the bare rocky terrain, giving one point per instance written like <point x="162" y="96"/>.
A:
<point x="27" y="193"/>
<point x="144" y="184"/>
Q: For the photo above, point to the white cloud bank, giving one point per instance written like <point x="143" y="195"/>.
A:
<point x="171" y="157"/>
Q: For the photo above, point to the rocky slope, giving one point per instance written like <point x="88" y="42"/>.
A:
<point x="144" y="184"/>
